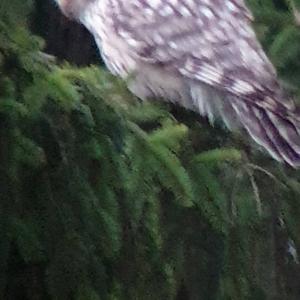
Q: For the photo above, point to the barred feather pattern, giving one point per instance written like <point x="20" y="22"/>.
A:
<point x="203" y="55"/>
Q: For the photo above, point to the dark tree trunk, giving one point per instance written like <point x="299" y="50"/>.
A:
<point x="65" y="39"/>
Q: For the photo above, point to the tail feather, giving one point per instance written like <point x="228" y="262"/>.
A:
<point x="251" y="123"/>
<point x="276" y="131"/>
<point x="278" y="134"/>
<point x="288" y="154"/>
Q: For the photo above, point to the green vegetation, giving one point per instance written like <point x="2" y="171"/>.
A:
<point x="104" y="197"/>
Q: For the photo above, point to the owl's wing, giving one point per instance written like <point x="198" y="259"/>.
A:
<point x="212" y="42"/>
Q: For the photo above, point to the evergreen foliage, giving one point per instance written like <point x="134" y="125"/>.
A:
<point x="104" y="197"/>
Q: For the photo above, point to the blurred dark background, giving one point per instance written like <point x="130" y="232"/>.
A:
<point x="65" y="39"/>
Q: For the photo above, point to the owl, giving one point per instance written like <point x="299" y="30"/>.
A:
<point x="200" y="54"/>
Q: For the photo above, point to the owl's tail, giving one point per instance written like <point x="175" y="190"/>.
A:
<point x="279" y="134"/>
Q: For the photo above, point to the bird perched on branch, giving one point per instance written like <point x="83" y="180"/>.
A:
<point x="201" y="54"/>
